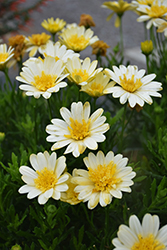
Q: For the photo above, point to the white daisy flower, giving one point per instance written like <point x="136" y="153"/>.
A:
<point x="79" y="129"/>
<point x="82" y="72"/>
<point x="133" y="85"/>
<point x="5" y="55"/>
<point x="157" y="10"/>
<point x="141" y="236"/>
<point x="58" y="51"/>
<point x="107" y="177"/>
<point x="77" y="37"/>
<point x="42" y="77"/>
<point x="46" y="179"/>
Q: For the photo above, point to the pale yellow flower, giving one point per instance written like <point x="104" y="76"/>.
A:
<point x="53" y="26"/>
<point x="81" y="72"/>
<point x="77" y="38"/>
<point x="5" y="55"/>
<point x="42" y="77"/>
<point x="46" y="179"/>
<point x="70" y="196"/>
<point x="147" y="47"/>
<point x="36" y="41"/>
<point x="152" y="13"/>
<point x="145" y="236"/>
<point x="106" y="177"/>
<point x="79" y="130"/>
<point x="96" y="87"/>
<point x="118" y="7"/>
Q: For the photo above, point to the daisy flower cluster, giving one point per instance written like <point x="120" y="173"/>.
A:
<point x="79" y="130"/>
<point x="82" y="163"/>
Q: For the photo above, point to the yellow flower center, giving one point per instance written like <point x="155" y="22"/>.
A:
<point x="46" y="180"/>
<point x="78" y="131"/>
<point x="77" y="43"/>
<point x="147" y="243"/>
<point x="129" y="84"/>
<point x="44" y="81"/>
<point x="156" y="11"/>
<point x="39" y="39"/>
<point x="104" y="177"/>
<point x="80" y="75"/>
<point x="3" y="57"/>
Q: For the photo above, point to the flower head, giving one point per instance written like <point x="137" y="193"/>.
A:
<point x="17" y="42"/>
<point x="147" y="47"/>
<point x="152" y="13"/>
<point x="118" y="7"/>
<point x="5" y="55"/>
<point x="70" y="196"/>
<point x="161" y="26"/>
<point x="145" y="236"/>
<point x="81" y="72"/>
<point x="99" y="48"/>
<point x="37" y="41"/>
<point x="46" y="179"/>
<point x="58" y="51"/>
<point x="133" y="85"/>
<point x="106" y="177"/>
<point x="79" y="129"/>
<point x="53" y="26"/>
<point x="86" y="20"/>
<point x="77" y="38"/>
<point x="96" y="87"/>
<point x="42" y="77"/>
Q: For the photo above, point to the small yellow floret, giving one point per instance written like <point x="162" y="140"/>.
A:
<point x="78" y="131"/>
<point x="3" y="57"/>
<point x="147" y="47"/>
<point x="104" y="177"/>
<point x="44" y="81"/>
<point x="147" y="243"/>
<point x="39" y="39"/>
<point x="77" y="43"/>
<point x="46" y="180"/>
<point x="80" y="75"/>
<point x="129" y="84"/>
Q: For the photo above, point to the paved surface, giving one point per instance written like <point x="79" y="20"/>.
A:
<point x="70" y="11"/>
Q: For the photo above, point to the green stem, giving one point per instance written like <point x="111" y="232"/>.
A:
<point x="147" y="63"/>
<point x="8" y="78"/>
<point x="121" y="38"/>
<point x="49" y="108"/>
<point x="123" y="128"/>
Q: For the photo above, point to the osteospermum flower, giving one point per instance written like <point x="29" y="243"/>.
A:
<point x="106" y="177"/>
<point x="77" y="38"/>
<point x="36" y="41"/>
<point x="133" y="85"/>
<point x="46" y="179"/>
<point x="118" y="7"/>
<point x="58" y="51"/>
<point x="5" y="55"/>
<point x="42" y="77"/>
<point x="79" y="129"/>
<point x="53" y="26"/>
<point x="145" y="236"/>
<point x="157" y="10"/>
<point x="82" y="72"/>
<point x="70" y="196"/>
<point x="96" y="87"/>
